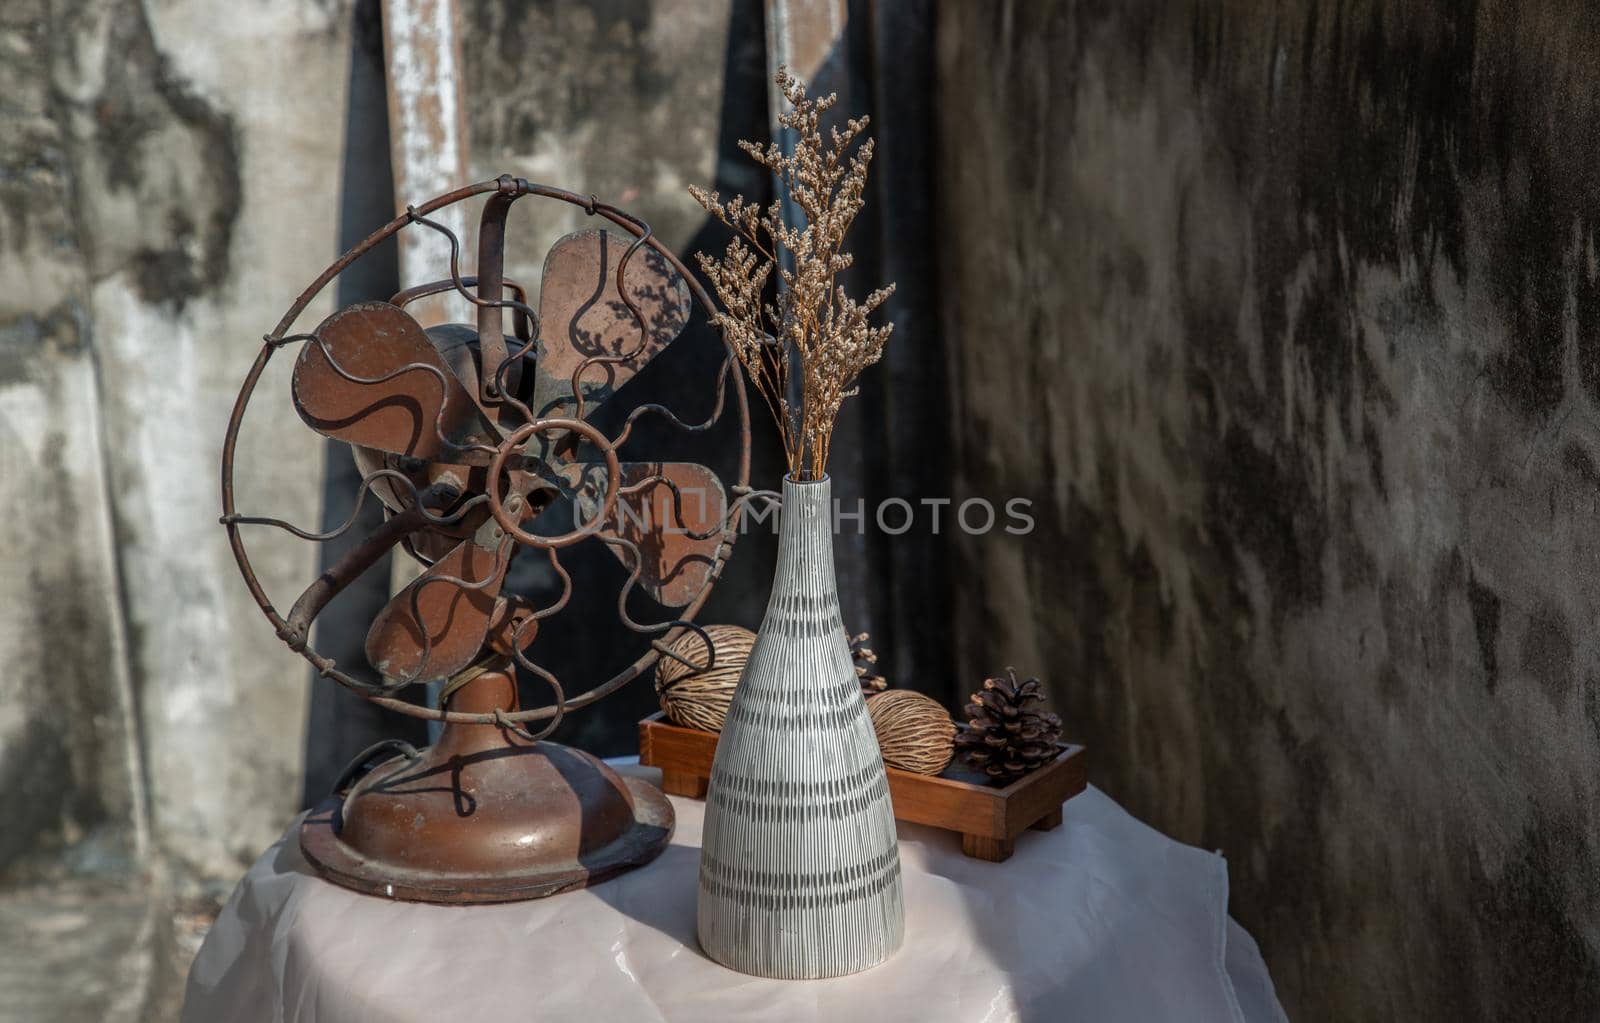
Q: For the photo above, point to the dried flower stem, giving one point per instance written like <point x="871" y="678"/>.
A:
<point x="813" y="323"/>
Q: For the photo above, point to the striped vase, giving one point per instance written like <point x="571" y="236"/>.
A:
<point x="799" y="867"/>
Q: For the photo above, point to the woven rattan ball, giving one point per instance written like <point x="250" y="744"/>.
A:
<point x="700" y="699"/>
<point x="914" y="732"/>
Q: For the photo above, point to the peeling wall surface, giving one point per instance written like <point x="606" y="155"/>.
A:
<point x="165" y="188"/>
<point x="1288" y="319"/>
<point x="625" y="105"/>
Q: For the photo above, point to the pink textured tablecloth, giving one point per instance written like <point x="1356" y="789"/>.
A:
<point x="1101" y="919"/>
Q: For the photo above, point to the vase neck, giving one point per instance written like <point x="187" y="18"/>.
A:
<point x="805" y="537"/>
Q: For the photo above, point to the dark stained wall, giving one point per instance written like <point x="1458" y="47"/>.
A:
<point x="1287" y="317"/>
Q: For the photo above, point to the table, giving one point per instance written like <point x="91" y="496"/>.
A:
<point x="1101" y="919"/>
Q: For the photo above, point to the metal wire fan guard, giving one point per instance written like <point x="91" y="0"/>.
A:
<point x="472" y="440"/>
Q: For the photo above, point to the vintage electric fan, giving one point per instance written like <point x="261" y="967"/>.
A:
<point x="483" y="447"/>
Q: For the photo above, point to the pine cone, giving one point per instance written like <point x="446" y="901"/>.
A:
<point x="1004" y="738"/>
<point x="866" y="663"/>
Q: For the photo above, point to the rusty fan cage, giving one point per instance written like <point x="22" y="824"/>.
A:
<point x="472" y="439"/>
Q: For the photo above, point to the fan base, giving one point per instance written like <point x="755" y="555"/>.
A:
<point x="484" y="816"/>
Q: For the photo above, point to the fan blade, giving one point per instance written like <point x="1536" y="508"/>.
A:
<point x="456" y="619"/>
<point x="582" y="316"/>
<point x="661" y="506"/>
<point x="399" y="410"/>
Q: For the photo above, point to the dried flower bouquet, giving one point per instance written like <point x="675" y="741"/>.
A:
<point x="812" y="326"/>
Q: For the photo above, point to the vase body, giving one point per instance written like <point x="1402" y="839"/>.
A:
<point x="799" y="866"/>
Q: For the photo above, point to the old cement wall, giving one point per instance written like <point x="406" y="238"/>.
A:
<point x="627" y="105"/>
<point x="1289" y="323"/>
<point x="165" y="192"/>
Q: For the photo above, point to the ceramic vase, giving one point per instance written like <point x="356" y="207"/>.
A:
<point x="799" y="866"/>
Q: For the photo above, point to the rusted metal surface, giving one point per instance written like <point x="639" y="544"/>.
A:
<point x="473" y="440"/>
<point x="436" y="626"/>
<point x="509" y="509"/>
<point x="485" y="815"/>
<point x="595" y="342"/>
<point x="399" y="487"/>
<point x="669" y="512"/>
<point x="372" y="377"/>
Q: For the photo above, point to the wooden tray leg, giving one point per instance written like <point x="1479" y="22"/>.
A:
<point x="1049" y="822"/>
<point x="681" y="783"/>
<point x="981" y="847"/>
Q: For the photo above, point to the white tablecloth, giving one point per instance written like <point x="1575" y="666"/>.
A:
<point x="1100" y="919"/>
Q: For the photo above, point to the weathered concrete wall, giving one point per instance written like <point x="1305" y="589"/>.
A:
<point x="626" y="104"/>
<point x="1286" y="316"/>
<point x="260" y="119"/>
<point x="170" y="187"/>
<point x="68" y="757"/>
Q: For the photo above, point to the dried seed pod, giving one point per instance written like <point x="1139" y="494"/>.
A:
<point x="1006" y="738"/>
<point x="914" y="732"/>
<point x="700" y="699"/>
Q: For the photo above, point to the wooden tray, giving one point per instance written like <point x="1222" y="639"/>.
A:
<point x="988" y="818"/>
